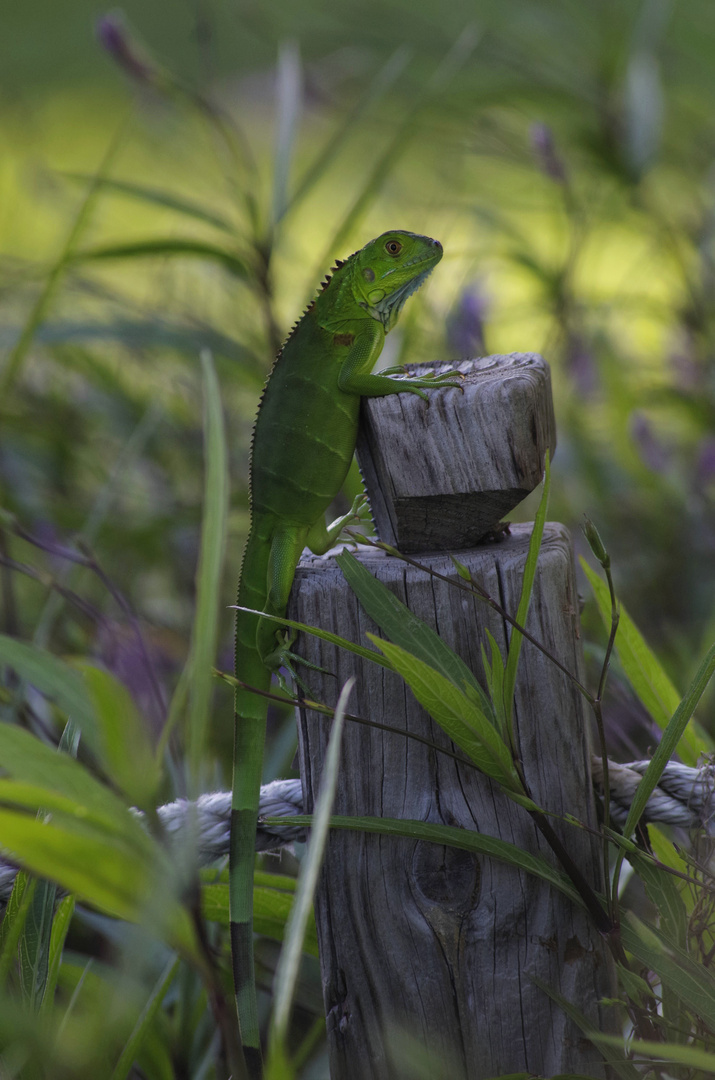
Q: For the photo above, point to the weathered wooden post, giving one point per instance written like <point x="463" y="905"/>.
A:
<point x="428" y="952"/>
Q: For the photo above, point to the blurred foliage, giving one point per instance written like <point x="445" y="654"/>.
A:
<point x="562" y="153"/>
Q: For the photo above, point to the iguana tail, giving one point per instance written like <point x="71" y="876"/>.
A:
<point x="249" y="739"/>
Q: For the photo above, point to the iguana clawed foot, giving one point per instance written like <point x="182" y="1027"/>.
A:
<point x="283" y="659"/>
<point x="442" y="379"/>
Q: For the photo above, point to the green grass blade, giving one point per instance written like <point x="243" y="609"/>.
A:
<point x="157" y="197"/>
<point x="130" y="453"/>
<point x="42" y="304"/>
<point x="459" y="718"/>
<point x="152" y="332"/>
<point x="693" y="983"/>
<point x="516" y="638"/>
<point x="670" y="740"/>
<point x="145" y="1020"/>
<point x="494" y="672"/>
<point x="165" y="247"/>
<point x="286" y="976"/>
<point x="60" y="928"/>
<point x="385" y="78"/>
<point x="649" y="680"/>
<point x="43" y="926"/>
<point x="289" y="90"/>
<point x="451" y="836"/>
<point x="324" y="635"/>
<point x="689" y="1056"/>
<point x="208" y="577"/>
<point x="456" y="58"/>
<point x="663" y="891"/>
<point x="664" y="752"/>
<point x="14" y="921"/>
<point x="607" y="1046"/>
<point x="404" y="629"/>
<point x="34" y="944"/>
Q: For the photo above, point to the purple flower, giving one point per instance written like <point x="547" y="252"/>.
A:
<point x="113" y="35"/>
<point x="581" y="365"/>
<point x="547" y="158"/>
<point x="705" y="463"/>
<point x="465" y="328"/>
<point x="654" y="454"/>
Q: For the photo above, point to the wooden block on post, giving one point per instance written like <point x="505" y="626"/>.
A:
<point x="441" y="478"/>
<point x="427" y="946"/>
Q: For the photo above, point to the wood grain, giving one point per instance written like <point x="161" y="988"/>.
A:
<point x="442" y="476"/>
<point x="427" y="950"/>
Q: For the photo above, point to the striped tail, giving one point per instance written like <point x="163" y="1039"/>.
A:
<point x="249" y="740"/>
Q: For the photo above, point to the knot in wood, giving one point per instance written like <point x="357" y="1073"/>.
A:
<point x="446" y="877"/>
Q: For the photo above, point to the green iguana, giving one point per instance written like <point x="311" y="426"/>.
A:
<point x="303" y="444"/>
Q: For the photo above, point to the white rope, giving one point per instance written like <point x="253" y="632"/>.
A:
<point x="684" y="797"/>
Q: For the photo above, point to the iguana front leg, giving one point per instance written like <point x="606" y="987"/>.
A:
<point x="356" y="375"/>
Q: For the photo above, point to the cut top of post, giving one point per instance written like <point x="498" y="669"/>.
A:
<point x="442" y="476"/>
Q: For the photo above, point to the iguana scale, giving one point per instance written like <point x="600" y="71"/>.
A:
<point x="303" y="443"/>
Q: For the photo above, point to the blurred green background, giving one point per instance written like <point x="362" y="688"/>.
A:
<point x="179" y="177"/>
<point x="562" y="152"/>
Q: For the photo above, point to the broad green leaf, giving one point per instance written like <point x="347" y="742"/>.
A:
<point x="122" y="879"/>
<point x="158" y="197"/>
<point x="286" y="976"/>
<point x="450" y="836"/>
<point x="691" y="982"/>
<point x="166" y="247"/>
<point x="281" y="882"/>
<point x="636" y="987"/>
<point x="145" y="1019"/>
<point x="123" y="826"/>
<point x="124" y="748"/>
<point x="204" y="634"/>
<point x="460" y="719"/>
<point x="271" y="908"/>
<point x="650" y="682"/>
<point x="404" y="629"/>
<point x="35" y="765"/>
<point x="516" y="638"/>
<point x="53" y="678"/>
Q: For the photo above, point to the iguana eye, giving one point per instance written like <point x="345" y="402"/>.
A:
<point x="393" y="247"/>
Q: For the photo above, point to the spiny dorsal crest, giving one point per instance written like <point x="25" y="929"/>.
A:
<point x="328" y="276"/>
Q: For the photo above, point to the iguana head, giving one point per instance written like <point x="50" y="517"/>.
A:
<point x="387" y="270"/>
